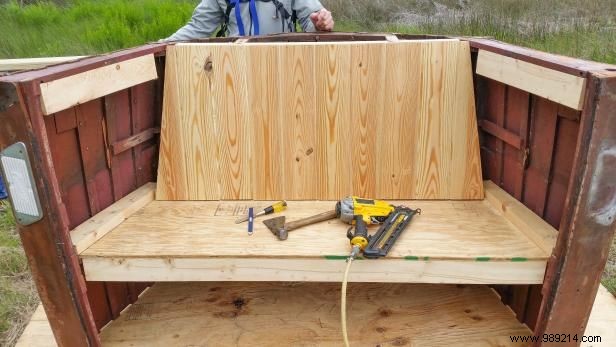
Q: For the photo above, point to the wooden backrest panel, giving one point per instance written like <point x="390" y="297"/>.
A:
<point x="319" y="121"/>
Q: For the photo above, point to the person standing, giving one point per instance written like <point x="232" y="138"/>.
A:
<point x="254" y="17"/>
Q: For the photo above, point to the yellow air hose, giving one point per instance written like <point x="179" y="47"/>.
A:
<point x="343" y="295"/>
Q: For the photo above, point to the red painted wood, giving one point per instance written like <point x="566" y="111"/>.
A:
<point x="66" y="157"/>
<point x="65" y="120"/>
<point x="542" y="138"/>
<point x="516" y="121"/>
<point x="532" y="306"/>
<point x="566" y="139"/>
<point x="118" y="118"/>
<point x="501" y="133"/>
<point x="494" y="111"/>
<point x="51" y="257"/>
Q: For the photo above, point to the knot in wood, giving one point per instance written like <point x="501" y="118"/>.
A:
<point x="208" y="66"/>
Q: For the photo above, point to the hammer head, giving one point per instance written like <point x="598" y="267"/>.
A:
<point x="276" y="226"/>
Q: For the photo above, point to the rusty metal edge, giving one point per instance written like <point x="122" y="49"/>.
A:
<point x="557" y="62"/>
<point x="72" y="324"/>
<point x="575" y="266"/>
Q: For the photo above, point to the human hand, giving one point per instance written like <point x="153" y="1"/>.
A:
<point x="322" y="20"/>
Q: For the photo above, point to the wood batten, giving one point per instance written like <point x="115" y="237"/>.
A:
<point x="411" y="270"/>
<point x="33" y="63"/>
<point x="77" y="89"/>
<point x="102" y="223"/>
<point x="560" y="87"/>
<point x="535" y="228"/>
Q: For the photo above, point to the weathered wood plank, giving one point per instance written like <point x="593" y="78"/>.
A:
<point x="33" y="63"/>
<point x="69" y="91"/>
<point x="563" y="88"/>
<point x="102" y="223"/>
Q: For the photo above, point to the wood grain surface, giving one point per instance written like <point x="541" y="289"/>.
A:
<point x="308" y="314"/>
<point x="563" y="88"/>
<point x="319" y="121"/>
<point x="80" y="88"/>
<point x="445" y="229"/>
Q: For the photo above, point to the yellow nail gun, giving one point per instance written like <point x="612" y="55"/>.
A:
<point x="362" y="212"/>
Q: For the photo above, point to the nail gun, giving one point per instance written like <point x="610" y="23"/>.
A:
<point x="362" y="212"/>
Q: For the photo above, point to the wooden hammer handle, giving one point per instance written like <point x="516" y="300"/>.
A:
<point x="321" y="217"/>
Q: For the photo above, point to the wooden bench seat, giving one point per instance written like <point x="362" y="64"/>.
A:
<point x="486" y="241"/>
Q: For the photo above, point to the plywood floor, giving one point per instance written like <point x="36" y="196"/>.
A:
<point x="601" y="322"/>
<point x="308" y="314"/>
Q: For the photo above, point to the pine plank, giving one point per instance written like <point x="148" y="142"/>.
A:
<point x="563" y="88"/>
<point x="464" y="161"/>
<point x="367" y="109"/>
<point x="304" y="151"/>
<point x="470" y="271"/>
<point x="266" y="105"/>
<point x="199" y="121"/>
<point x="245" y="314"/>
<point x="234" y="122"/>
<point x="102" y="223"/>
<point x="80" y="88"/>
<point x="397" y="130"/>
<point x="33" y="63"/>
<point x="172" y="180"/>
<point x="333" y="109"/>
<point x="537" y="230"/>
<point x="433" y="125"/>
<point x="305" y="121"/>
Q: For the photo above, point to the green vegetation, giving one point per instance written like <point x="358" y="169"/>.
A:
<point x="83" y="27"/>
<point x="18" y="297"/>
<point x="585" y="29"/>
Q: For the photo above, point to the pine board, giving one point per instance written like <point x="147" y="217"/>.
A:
<point x="187" y="229"/>
<point x="563" y="88"/>
<point x="319" y="121"/>
<point x="308" y="314"/>
<point x="80" y="88"/>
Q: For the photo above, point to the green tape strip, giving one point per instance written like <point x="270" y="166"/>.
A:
<point x="482" y="259"/>
<point x="518" y="259"/>
<point x="413" y="257"/>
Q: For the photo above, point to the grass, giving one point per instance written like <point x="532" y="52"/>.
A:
<point x="584" y="29"/>
<point x="18" y="297"/>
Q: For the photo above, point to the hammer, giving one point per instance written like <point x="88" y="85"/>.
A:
<point x="281" y="229"/>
